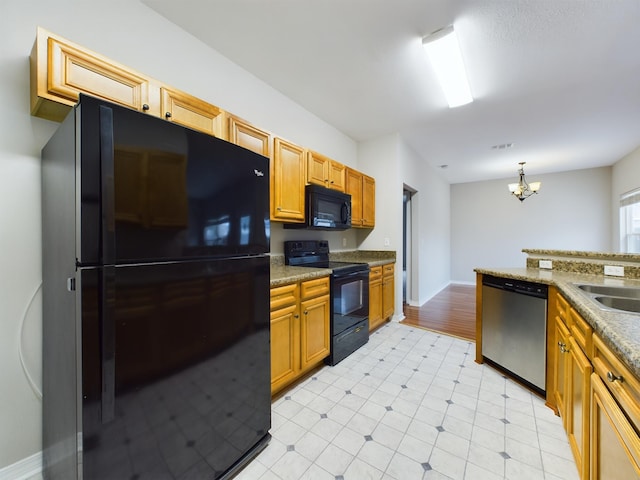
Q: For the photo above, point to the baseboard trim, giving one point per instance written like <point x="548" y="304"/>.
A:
<point x="29" y="468"/>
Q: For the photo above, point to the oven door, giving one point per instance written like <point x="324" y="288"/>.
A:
<point x="350" y="293"/>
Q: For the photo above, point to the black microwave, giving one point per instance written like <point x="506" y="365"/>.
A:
<point x="325" y="209"/>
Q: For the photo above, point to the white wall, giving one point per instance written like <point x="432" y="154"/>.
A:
<point x="379" y="158"/>
<point x="129" y="33"/>
<point x="394" y="165"/>
<point x="489" y="227"/>
<point x="625" y="176"/>
<point x="431" y="228"/>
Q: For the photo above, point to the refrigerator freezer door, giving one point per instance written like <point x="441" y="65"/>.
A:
<point x="192" y="375"/>
<point x="157" y="191"/>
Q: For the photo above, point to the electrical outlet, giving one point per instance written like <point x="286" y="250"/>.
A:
<point x="344" y="242"/>
<point x="614" y="270"/>
<point x="387" y="242"/>
<point x="545" y="264"/>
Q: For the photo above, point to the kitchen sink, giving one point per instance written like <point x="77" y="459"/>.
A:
<point x="611" y="291"/>
<point x="622" y="298"/>
<point x="620" y="303"/>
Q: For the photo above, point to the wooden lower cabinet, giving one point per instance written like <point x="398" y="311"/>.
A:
<point x="578" y="406"/>
<point x="375" y="298"/>
<point x="561" y="361"/>
<point x="381" y="294"/>
<point x="571" y="384"/>
<point x="597" y="397"/>
<point x="299" y="329"/>
<point x="615" y="444"/>
<point x="388" y="290"/>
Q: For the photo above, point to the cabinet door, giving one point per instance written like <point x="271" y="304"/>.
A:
<point x="561" y="360"/>
<point x="354" y="188"/>
<point x="285" y="351"/>
<point x="252" y="138"/>
<point x="61" y="70"/>
<point x="368" y="201"/>
<point x="317" y="169"/>
<point x="388" y="291"/>
<point x="578" y="401"/>
<point x="337" y="176"/>
<point x="287" y="182"/>
<point x="560" y="368"/>
<point x="375" y="300"/>
<point x="314" y="331"/>
<point x="192" y="112"/>
<point x="615" y="445"/>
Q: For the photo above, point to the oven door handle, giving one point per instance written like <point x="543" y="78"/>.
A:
<point x="359" y="273"/>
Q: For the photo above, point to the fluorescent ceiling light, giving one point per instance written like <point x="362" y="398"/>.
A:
<point x="443" y="51"/>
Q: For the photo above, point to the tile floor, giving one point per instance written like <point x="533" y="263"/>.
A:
<point x="412" y="404"/>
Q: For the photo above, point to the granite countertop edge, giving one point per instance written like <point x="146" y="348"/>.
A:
<point x="285" y="274"/>
<point x="620" y="331"/>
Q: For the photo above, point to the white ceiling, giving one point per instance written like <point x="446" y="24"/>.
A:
<point x="560" y="79"/>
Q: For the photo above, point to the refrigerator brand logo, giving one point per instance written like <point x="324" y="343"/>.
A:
<point x="258" y="173"/>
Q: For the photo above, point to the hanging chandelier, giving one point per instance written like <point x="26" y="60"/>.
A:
<point x="522" y="189"/>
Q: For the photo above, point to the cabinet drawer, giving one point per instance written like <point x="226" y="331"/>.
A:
<point x="375" y="273"/>
<point x="314" y="288"/>
<point x="622" y="384"/>
<point x="388" y="269"/>
<point x="580" y="330"/>
<point x="284" y="295"/>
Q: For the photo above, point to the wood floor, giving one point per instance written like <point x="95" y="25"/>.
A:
<point x="452" y="311"/>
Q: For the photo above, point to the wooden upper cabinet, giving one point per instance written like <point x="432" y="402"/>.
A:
<point x="246" y="135"/>
<point x="354" y="188"/>
<point x="362" y="189"/>
<point x="189" y="111"/>
<point x="323" y="171"/>
<point x="61" y="70"/>
<point x="368" y="201"/>
<point x="287" y="182"/>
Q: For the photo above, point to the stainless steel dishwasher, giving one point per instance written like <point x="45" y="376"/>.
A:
<point x="514" y="328"/>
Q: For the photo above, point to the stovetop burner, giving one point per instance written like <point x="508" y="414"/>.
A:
<point x="315" y="253"/>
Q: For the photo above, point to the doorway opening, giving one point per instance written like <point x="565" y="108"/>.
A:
<point x="407" y="235"/>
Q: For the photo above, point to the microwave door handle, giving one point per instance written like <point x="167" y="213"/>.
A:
<point x="344" y="212"/>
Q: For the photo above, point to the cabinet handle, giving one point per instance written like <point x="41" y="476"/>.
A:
<point x="279" y="208"/>
<point x="306" y="312"/>
<point x="145" y="107"/>
<point x="612" y="377"/>
<point x="167" y="115"/>
<point x="296" y="316"/>
<point x="563" y="347"/>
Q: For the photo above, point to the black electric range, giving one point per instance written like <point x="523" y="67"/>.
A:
<point x="349" y="318"/>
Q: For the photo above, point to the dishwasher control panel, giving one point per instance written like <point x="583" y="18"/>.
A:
<point x="519" y="286"/>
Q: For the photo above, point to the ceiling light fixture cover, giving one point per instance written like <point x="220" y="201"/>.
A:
<point x="443" y="50"/>
<point x="522" y="189"/>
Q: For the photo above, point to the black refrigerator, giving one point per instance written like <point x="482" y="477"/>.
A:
<point x="156" y="361"/>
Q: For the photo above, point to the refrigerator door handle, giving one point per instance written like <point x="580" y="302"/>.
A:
<point x="108" y="342"/>
<point x="107" y="204"/>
